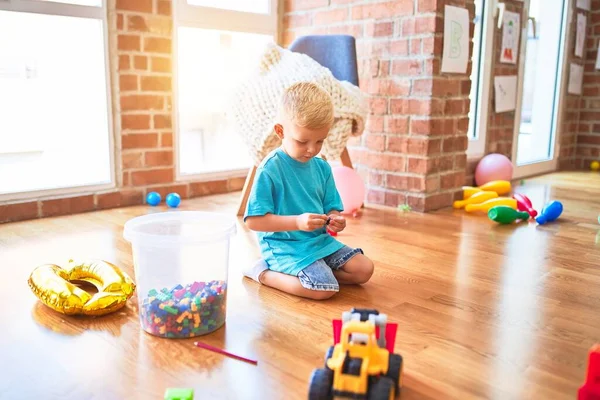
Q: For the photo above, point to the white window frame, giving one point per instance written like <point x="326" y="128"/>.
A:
<point x="79" y="11"/>
<point x="476" y="147"/>
<point x="186" y="15"/>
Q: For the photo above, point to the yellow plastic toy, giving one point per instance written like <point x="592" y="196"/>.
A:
<point x="477" y="198"/>
<point x="500" y="187"/>
<point x="360" y="365"/>
<point x="486" y="205"/>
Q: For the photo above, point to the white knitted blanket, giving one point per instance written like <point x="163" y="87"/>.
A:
<point x="255" y="102"/>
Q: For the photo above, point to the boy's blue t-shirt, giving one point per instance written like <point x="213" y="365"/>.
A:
<point x="284" y="186"/>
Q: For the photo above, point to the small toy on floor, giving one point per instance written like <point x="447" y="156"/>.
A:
<point x="550" y="213"/>
<point x="153" y="198"/>
<point x="173" y="200"/>
<point x="179" y="394"/>
<point x="362" y="337"/>
<point x="590" y="390"/>
<point x="506" y="215"/>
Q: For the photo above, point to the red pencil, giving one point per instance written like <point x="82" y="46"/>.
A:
<point x="226" y="353"/>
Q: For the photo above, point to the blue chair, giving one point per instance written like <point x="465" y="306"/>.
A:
<point x="336" y="53"/>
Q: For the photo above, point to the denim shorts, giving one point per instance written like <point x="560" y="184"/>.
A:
<point x="319" y="275"/>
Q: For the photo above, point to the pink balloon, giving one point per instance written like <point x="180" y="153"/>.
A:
<point x="493" y="167"/>
<point x="350" y="187"/>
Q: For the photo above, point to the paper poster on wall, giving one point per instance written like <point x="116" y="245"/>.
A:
<point x="505" y="88"/>
<point x="584" y="4"/>
<point x="598" y="57"/>
<point x="575" y="78"/>
<point x="580" y="36"/>
<point x="510" y="37"/>
<point x="456" y="40"/>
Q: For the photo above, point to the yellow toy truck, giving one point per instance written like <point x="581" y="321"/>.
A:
<point x="359" y="366"/>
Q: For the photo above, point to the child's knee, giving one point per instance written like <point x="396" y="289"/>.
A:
<point x="365" y="271"/>
<point x="322" y="294"/>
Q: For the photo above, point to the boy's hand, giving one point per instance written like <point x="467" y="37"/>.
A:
<point x="310" y="222"/>
<point x="337" y="223"/>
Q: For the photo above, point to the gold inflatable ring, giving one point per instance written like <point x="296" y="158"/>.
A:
<point x="53" y="286"/>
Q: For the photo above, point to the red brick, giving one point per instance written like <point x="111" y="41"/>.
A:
<point x="432" y="66"/>
<point x="452" y="180"/>
<point x="160" y="64"/>
<point x="376" y="179"/>
<point x="355" y="30"/>
<point x="408" y="27"/>
<point x="393" y="199"/>
<point x="68" y="205"/>
<point x="418" y="165"/>
<point x="141" y="102"/>
<point x="158" y="158"/>
<point x="437" y="201"/>
<point x="157" y="45"/>
<point x="588" y="139"/>
<point x="375" y="196"/>
<point x="208" y="187"/>
<point x="407" y="67"/>
<point x="133" y="160"/>
<point x="432" y="184"/>
<point x="378" y="105"/>
<point x="162" y="121"/>
<point x="156" y="83"/>
<point x="429" y="6"/>
<point x="128" y="42"/>
<point x="399" y="106"/>
<point x="416" y="202"/>
<point x="374" y="124"/>
<point x="399" y="47"/>
<point x="135" y="121"/>
<point x="108" y="200"/>
<point x="397" y="125"/>
<point x="331" y="16"/>
<point x="124" y="62"/>
<point x="422" y="86"/>
<point x="446" y="87"/>
<point x="166" y="139"/>
<point x="135" y="5"/>
<point x="151" y="176"/>
<point x="140" y="63"/>
<point x="420" y="126"/>
<point x="455" y="107"/>
<point x="120" y="21"/>
<point x="388" y="87"/>
<point x="375" y="142"/>
<point x="415" y="46"/>
<point x="388" y="162"/>
<point x="426" y="24"/>
<point x="397" y="144"/>
<point x="139" y="141"/>
<point x="380" y="29"/>
<point x="418" y="146"/>
<point x="409" y="183"/>
<point x="460" y="161"/>
<point x="18" y="211"/>
<point x="151" y="24"/>
<point x="164" y="7"/>
<point x="462" y="126"/>
<point x="383" y="10"/>
<point x="426" y="107"/>
<point x="297" y="20"/>
<point x="128" y="83"/>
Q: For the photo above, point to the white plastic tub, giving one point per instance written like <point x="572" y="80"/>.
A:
<point x="181" y="261"/>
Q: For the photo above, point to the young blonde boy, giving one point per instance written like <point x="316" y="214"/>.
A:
<point x="294" y="200"/>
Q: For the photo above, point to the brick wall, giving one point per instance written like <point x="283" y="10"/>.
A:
<point x="140" y="36"/>
<point x="588" y="138"/>
<point x="413" y="149"/>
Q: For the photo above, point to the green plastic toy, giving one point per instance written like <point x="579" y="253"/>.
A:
<point x="179" y="394"/>
<point x="506" y="214"/>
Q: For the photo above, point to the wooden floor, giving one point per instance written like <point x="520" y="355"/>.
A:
<point x="484" y="311"/>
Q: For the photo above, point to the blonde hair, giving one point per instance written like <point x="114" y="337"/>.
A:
<point x="307" y="105"/>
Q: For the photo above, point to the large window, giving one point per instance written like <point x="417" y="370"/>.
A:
<point x="480" y="76"/>
<point x="55" y="130"/>
<point x="218" y="44"/>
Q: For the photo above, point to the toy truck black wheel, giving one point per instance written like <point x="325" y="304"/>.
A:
<point x="383" y="389"/>
<point x="395" y="370"/>
<point x="321" y="382"/>
<point x="328" y="355"/>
